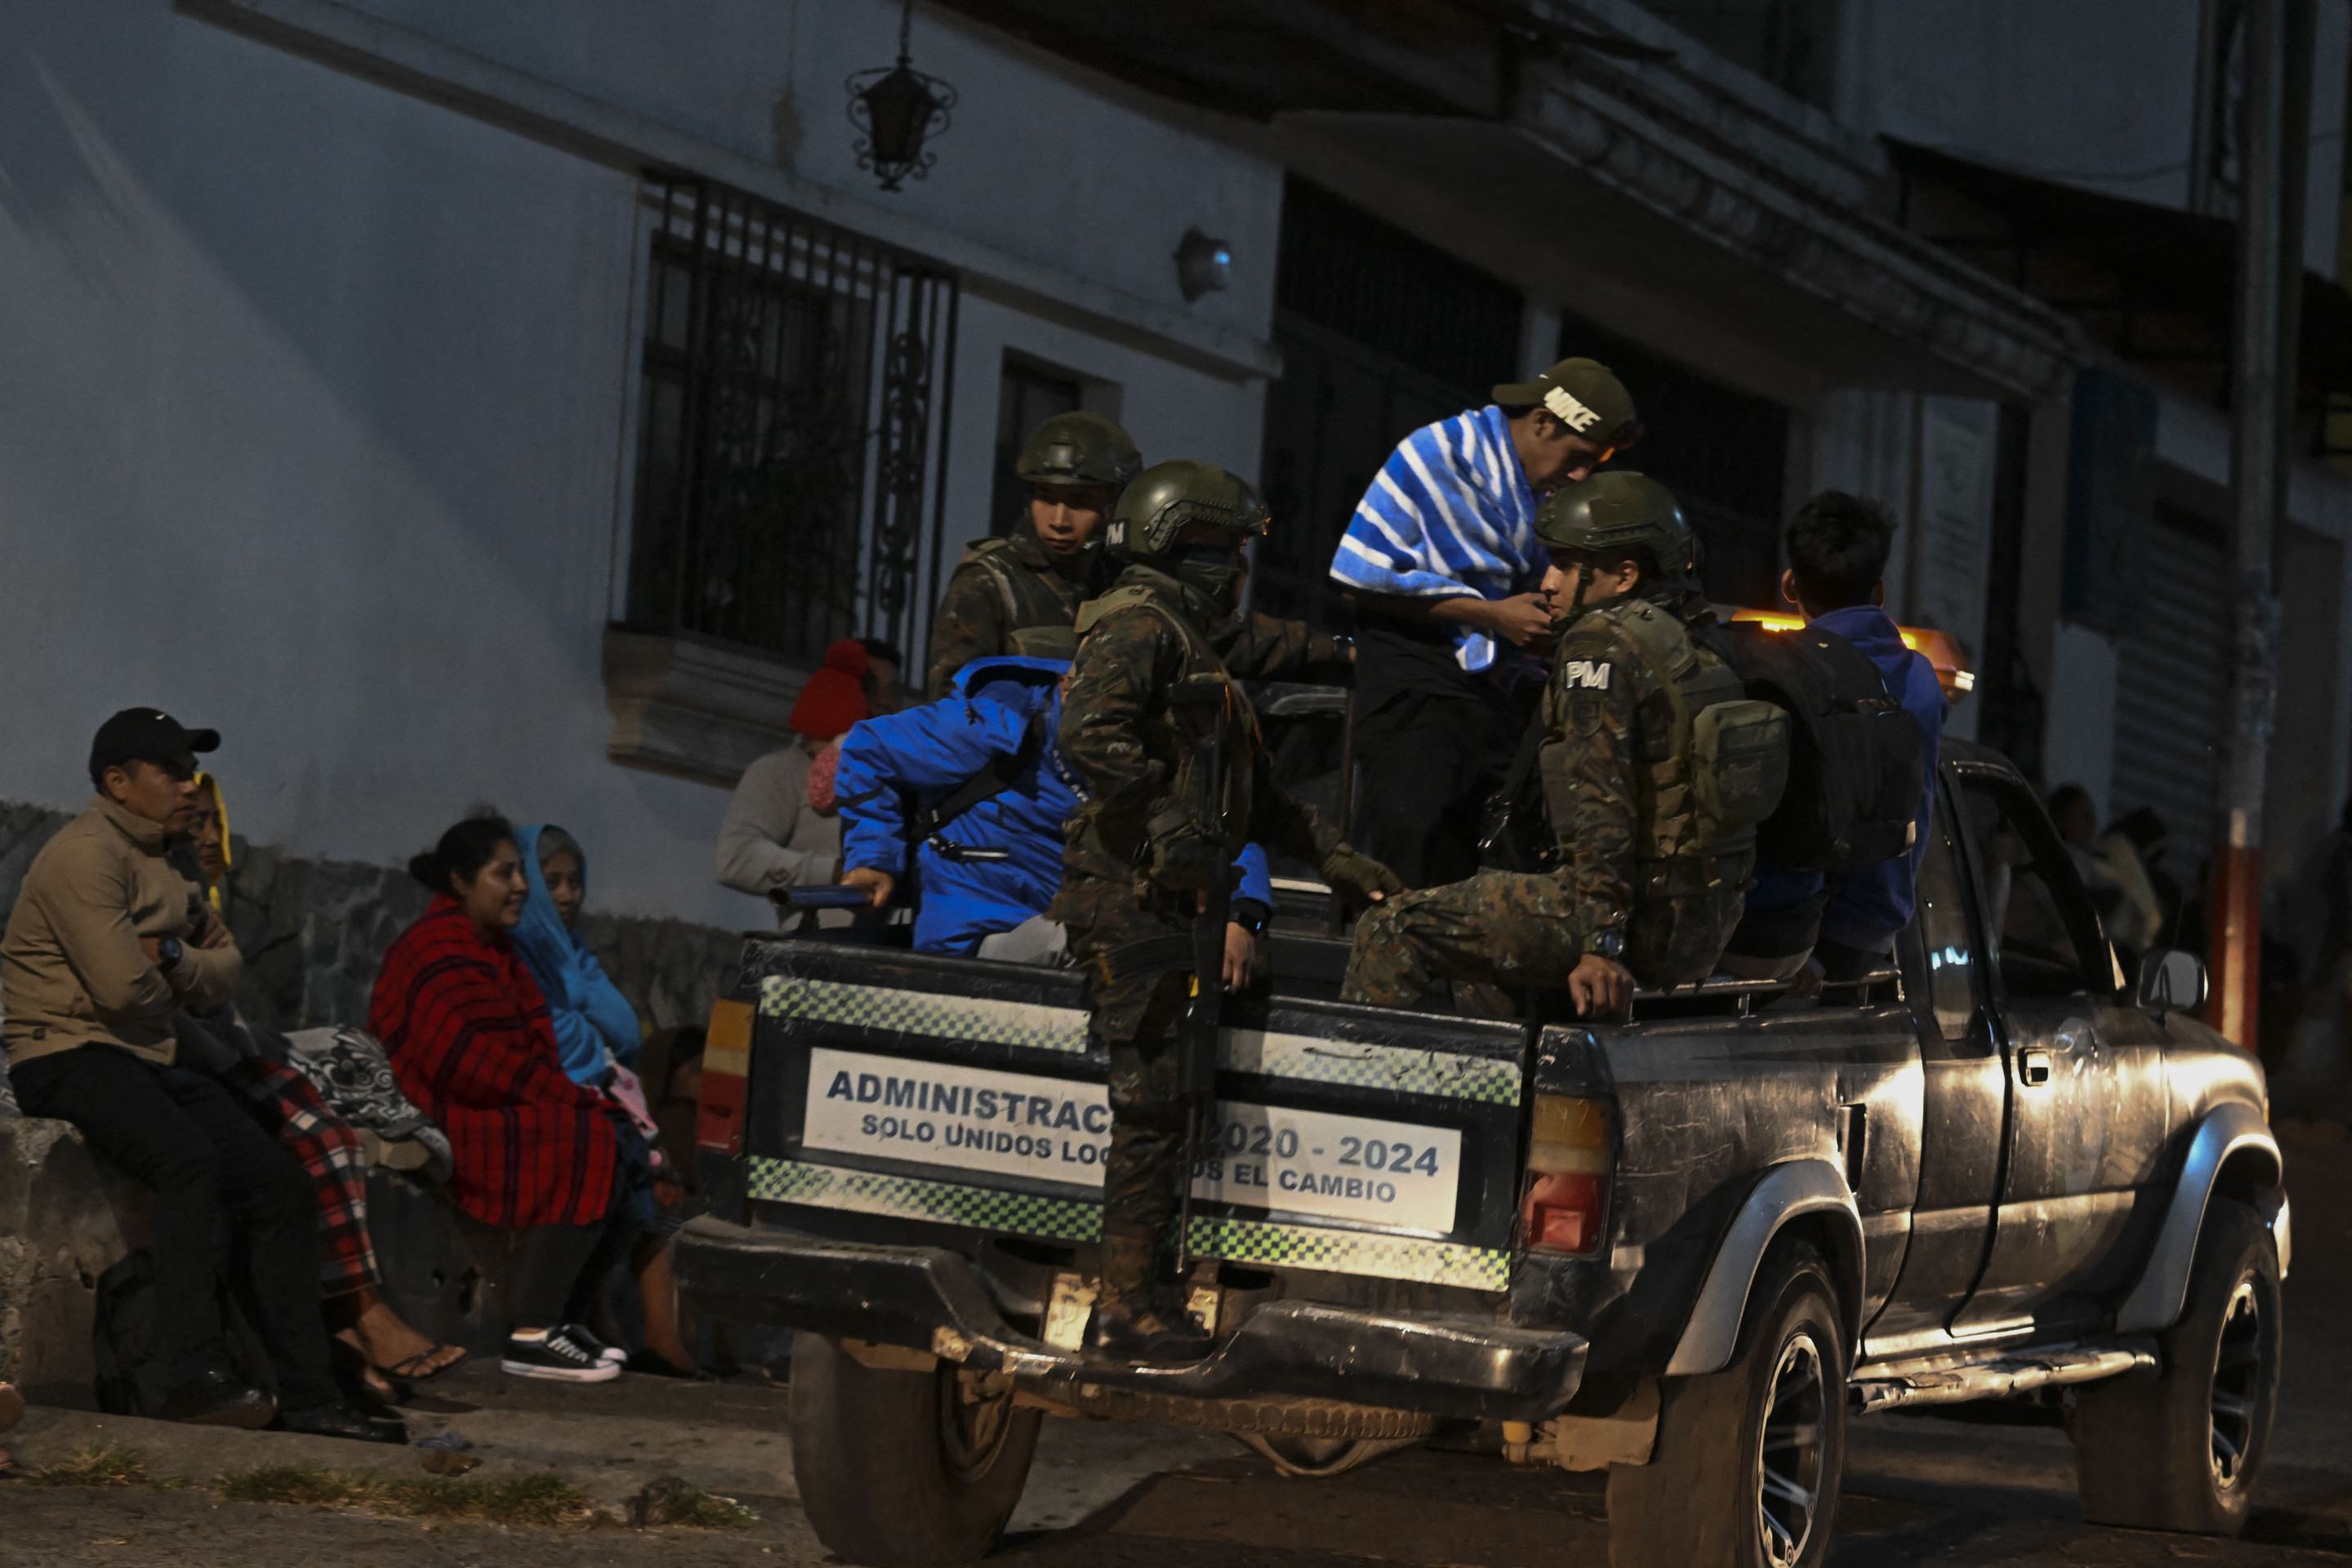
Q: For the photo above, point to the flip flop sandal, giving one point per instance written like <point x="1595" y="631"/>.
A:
<point x="418" y="1368"/>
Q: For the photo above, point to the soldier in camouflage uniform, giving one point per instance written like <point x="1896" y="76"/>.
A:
<point x="1021" y="594"/>
<point x="1140" y="859"/>
<point x="1655" y="770"/>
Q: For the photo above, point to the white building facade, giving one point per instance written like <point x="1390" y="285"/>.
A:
<point x="459" y="403"/>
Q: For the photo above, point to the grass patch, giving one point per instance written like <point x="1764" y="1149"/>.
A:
<point x="96" y="1465"/>
<point x="700" y="1510"/>
<point x="542" y="1500"/>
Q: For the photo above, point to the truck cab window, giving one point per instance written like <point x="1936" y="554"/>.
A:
<point x="2044" y="936"/>
<point x="1944" y="934"/>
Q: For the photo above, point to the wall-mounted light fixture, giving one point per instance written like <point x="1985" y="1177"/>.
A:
<point x="898" y="109"/>
<point x="1204" y="265"/>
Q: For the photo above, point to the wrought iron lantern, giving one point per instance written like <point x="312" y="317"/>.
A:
<point x="898" y="109"/>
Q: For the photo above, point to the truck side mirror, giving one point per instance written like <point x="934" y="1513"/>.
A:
<point x="2172" y="980"/>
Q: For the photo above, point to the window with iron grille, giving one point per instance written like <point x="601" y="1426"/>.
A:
<point x="792" y="427"/>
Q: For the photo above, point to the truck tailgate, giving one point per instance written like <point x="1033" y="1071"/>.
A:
<point x="958" y="1093"/>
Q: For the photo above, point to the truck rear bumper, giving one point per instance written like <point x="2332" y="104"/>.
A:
<point x="934" y="1299"/>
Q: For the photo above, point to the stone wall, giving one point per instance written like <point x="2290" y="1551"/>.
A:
<point x="313" y="933"/>
<point x="65" y="1220"/>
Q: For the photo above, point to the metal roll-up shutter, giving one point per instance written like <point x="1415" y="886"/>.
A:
<point x="2172" y="683"/>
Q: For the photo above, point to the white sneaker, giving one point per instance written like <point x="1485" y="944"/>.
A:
<point x="567" y="1353"/>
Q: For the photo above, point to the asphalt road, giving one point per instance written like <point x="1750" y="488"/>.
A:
<point x="1917" y="1490"/>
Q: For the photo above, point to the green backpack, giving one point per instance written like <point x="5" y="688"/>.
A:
<point x="1730" y="757"/>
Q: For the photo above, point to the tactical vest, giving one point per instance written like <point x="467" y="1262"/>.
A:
<point x="1699" y="796"/>
<point x="1168" y="737"/>
<point x="1036" y="615"/>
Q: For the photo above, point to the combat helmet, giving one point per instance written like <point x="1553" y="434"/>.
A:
<point x="1166" y="499"/>
<point x="1615" y="511"/>
<point x="1079" y="450"/>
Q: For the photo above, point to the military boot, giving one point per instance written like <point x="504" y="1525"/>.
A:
<point x="1134" y="1319"/>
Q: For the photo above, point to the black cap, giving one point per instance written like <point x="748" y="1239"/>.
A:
<point x="146" y="735"/>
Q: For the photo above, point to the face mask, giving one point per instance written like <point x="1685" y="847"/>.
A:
<point x="1212" y="569"/>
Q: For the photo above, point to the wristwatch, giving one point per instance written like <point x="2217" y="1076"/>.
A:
<point x="1610" y="944"/>
<point x="168" y="953"/>
<point x="1250" y="915"/>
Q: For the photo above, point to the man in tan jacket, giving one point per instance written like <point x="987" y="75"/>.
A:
<point x="107" y="943"/>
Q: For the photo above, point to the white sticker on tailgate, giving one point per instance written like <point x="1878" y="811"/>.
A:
<point x="1055" y="1130"/>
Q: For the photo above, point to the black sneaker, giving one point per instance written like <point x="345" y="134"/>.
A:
<point x="565" y="1354"/>
<point x="589" y="1340"/>
<point x="217" y="1397"/>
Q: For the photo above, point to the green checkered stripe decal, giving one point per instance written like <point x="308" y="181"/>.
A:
<point x="1064" y="1029"/>
<point x="1352" y="1252"/>
<point x="898" y="1011"/>
<point x="907" y="1197"/>
<point x="1063" y="1219"/>
<point x="1401" y="1068"/>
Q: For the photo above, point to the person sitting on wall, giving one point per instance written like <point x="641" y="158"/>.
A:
<point x="972" y="789"/>
<point x="597" y="1033"/>
<point x="782" y="830"/>
<point x="267" y="1076"/>
<point x="473" y="1045"/>
<point x="106" y="949"/>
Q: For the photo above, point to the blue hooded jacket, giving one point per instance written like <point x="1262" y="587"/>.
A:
<point x="1869" y="908"/>
<point x="590" y="1014"/>
<point x="898" y="766"/>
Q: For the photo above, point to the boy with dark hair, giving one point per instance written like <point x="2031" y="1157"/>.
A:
<point x="1838" y="547"/>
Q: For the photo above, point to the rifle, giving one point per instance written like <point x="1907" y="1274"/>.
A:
<point x="1207" y="697"/>
<point x="1339" y="916"/>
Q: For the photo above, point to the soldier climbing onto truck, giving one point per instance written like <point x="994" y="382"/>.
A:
<point x="1655" y="768"/>
<point x="1142" y="856"/>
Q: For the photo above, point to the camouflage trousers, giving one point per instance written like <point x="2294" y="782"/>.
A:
<point x="1495" y="928"/>
<point x="1136" y="1020"/>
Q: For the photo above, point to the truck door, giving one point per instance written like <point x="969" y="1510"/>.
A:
<point x="2087" y="1101"/>
<point x="1964" y="1108"/>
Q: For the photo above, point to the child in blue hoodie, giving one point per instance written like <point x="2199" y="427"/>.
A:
<point x="972" y="791"/>
<point x="1838" y="547"/>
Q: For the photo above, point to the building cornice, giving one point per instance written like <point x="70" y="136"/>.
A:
<point x="423" y="67"/>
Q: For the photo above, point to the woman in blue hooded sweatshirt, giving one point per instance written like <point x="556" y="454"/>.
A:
<point x="597" y="1035"/>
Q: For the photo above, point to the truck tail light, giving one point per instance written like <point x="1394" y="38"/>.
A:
<point x="726" y="1078"/>
<point x="1567" y="1176"/>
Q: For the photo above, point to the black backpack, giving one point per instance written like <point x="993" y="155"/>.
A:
<point x="1856" y="772"/>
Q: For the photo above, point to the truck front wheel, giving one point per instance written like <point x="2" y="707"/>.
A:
<point x="2180" y="1447"/>
<point x="904" y="1469"/>
<point x="1745" y="1467"/>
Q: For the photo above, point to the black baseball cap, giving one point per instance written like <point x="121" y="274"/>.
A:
<point x="146" y="735"/>
<point x="1583" y="394"/>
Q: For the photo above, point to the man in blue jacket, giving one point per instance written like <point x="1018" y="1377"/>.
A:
<point x="974" y="784"/>
<point x="1838" y="547"/>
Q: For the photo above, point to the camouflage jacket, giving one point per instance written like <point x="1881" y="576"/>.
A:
<point x="1007" y="596"/>
<point x="1134" y="752"/>
<point x="1611" y="736"/>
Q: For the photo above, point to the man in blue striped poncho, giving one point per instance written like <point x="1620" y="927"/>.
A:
<point x="1442" y="560"/>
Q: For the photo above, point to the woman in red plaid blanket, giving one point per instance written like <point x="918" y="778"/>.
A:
<point x="471" y="1043"/>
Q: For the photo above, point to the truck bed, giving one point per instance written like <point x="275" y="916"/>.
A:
<point x="948" y="1096"/>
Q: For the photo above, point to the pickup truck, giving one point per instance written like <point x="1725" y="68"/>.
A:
<point x="1685" y="1248"/>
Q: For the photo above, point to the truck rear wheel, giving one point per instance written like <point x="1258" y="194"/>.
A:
<point x="2180" y="1447"/>
<point x="904" y="1469"/>
<point x="1745" y="1467"/>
